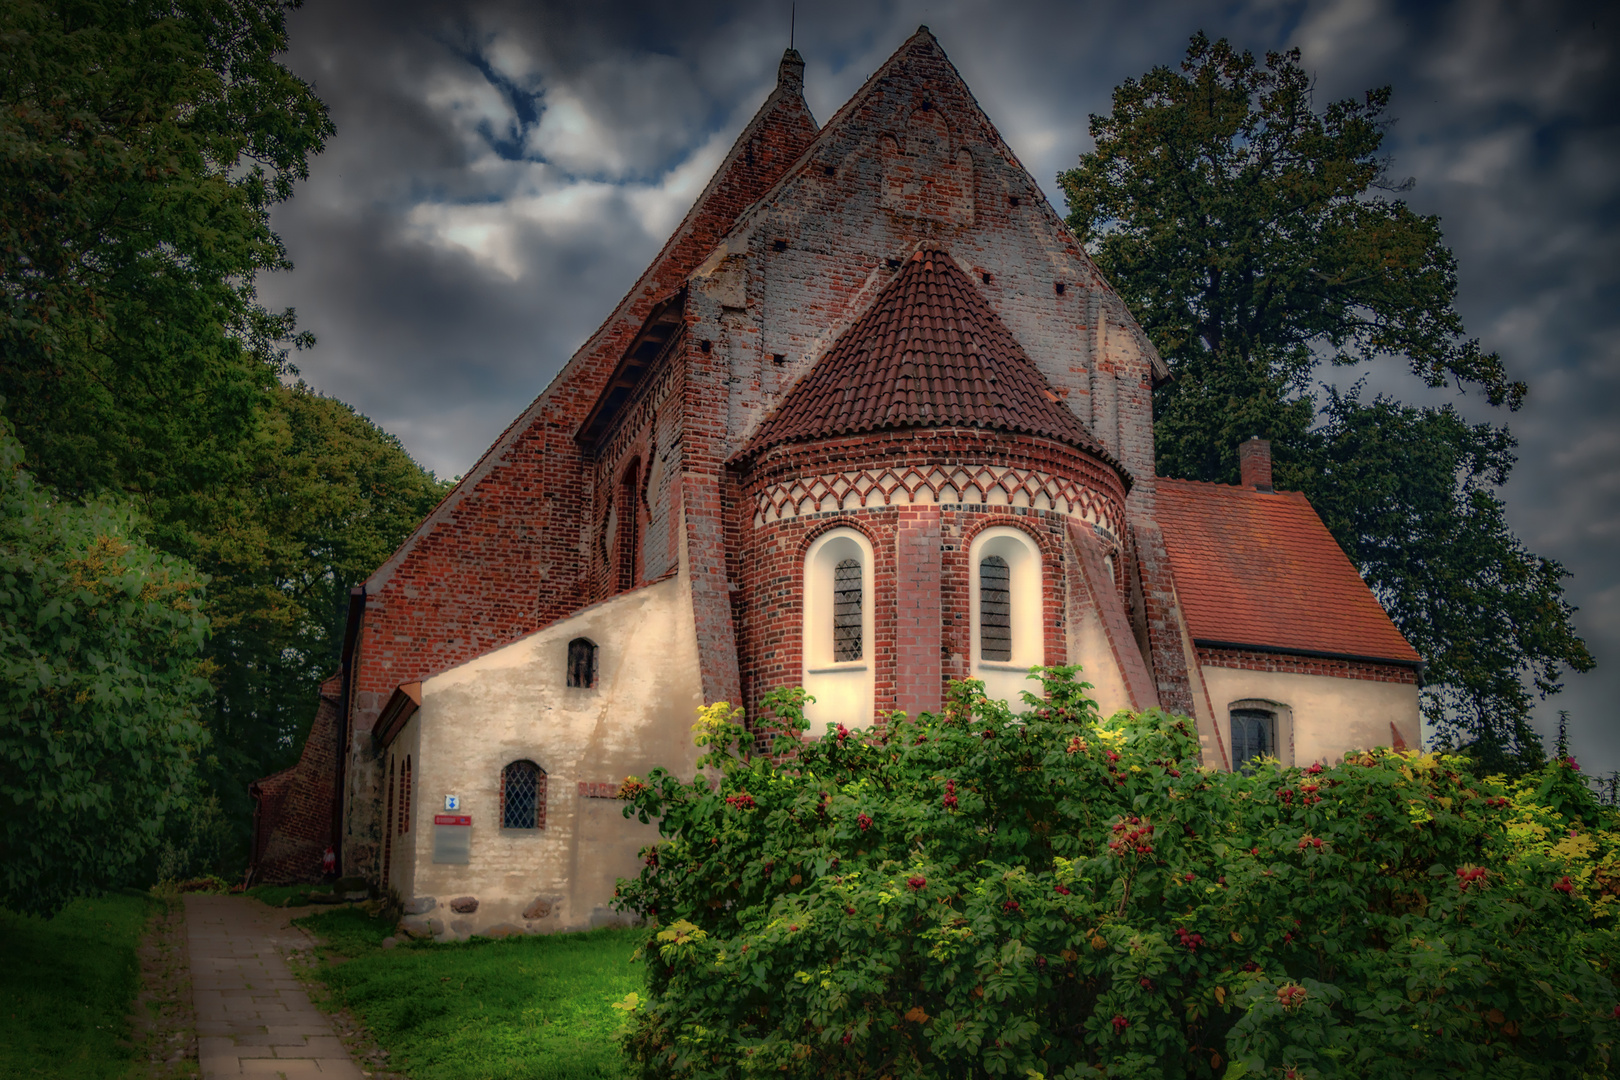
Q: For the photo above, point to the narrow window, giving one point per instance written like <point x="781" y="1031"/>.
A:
<point x="628" y="545"/>
<point x="582" y="662"/>
<point x="405" y="796"/>
<point x="847" y="610"/>
<point x="523" y="796"/>
<point x="388" y="816"/>
<point x="995" y="609"/>
<point x="1254" y="735"/>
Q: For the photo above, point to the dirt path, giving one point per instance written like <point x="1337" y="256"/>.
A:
<point x="253" y="1016"/>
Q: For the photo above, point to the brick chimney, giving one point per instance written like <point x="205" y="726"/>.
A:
<point x="1254" y="460"/>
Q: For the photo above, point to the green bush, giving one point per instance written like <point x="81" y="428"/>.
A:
<point x="974" y="894"/>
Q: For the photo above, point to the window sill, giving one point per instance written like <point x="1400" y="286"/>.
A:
<point x="834" y="669"/>
<point x="998" y="665"/>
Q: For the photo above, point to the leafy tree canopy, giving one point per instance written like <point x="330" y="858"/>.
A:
<point x="326" y="497"/>
<point x="978" y="895"/>
<point x="1257" y="239"/>
<point x="142" y="145"/>
<point x="102" y="680"/>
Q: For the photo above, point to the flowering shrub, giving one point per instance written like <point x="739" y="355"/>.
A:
<point x="1052" y="895"/>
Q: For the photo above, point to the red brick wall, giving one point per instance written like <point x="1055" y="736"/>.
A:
<point x="293" y="816"/>
<point x="1249" y="660"/>
<point x="509" y="551"/>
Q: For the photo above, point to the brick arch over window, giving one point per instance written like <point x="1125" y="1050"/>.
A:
<point x="523" y="796"/>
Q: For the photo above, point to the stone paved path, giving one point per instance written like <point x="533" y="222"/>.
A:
<point x="253" y="1017"/>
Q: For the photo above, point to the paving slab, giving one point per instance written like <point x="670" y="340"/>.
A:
<point x="253" y="1016"/>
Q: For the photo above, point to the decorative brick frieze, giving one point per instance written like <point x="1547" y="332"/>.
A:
<point x="1294" y="664"/>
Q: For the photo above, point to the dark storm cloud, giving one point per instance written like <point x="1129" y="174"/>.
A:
<point x="503" y="171"/>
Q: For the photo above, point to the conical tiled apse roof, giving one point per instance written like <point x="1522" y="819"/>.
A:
<point x="929" y="353"/>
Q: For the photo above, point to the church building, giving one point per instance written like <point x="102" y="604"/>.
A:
<point x="871" y="421"/>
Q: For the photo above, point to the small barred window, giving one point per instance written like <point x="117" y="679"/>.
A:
<point x="847" y="610"/>
<point x="995" y="609"/>
<point x="523" y="796"/>
<point x="1254" y="735"/>
<point x="582" y="662"/>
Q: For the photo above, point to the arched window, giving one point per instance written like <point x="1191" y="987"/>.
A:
<point x="995" y="609"/>
<point x="1254" y="735"/>
<point x="1008" y="633"/>
<point x="837" y="641"/>
<point x="582" y="662"/>
<point x="523" y="796"/>
<point x="628" y="543"/>
<point x="847" y="610"/>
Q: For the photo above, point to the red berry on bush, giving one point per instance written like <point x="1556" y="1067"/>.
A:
<point x="863" y="821"/>
<point x="1011" y="906"/>
<point x="1063" y="891"/>
<point x="916" y="882"/>
<point x="1120" y="1023"/>
<point x="1145" y="982"/>
<point x="1564" y="885"/>
<point x="843" y="733"/>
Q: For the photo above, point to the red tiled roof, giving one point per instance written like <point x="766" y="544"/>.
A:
<point x="929" y="352"/>
<point x="1259" y="568"/>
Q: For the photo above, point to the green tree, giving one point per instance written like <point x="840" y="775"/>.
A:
<point x="1258" y="240"/>
<point x="326" y="498"/>
<point x="102" y="681"/>
<point x="978" y="895"/>
<point x="142" y="145"/>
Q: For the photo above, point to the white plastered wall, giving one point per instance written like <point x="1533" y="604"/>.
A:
<point x="513" y="704"/>
<point x="1088" y="645"/>
<point x="1330" y="716"/>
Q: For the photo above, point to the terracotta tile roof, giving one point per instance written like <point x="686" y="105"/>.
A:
<point x="1260" y="568"/>
<point x="929" y="352"/>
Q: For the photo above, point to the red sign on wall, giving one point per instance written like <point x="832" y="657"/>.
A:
<point x="452" y="819"/>
<point x="598" y="791"/>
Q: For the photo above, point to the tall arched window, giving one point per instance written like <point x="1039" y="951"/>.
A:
<point x="837" y="641"/>
<point x="582" y="663"/>
<point x="847" y="610"/>
<point x="995" y="609"/>
<point x="523" y="796"/>
<point x="1008" y="634"/>
<point x="627" y="543"/>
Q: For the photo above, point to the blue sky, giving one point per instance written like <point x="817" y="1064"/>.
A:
<point x="503" y="171"/>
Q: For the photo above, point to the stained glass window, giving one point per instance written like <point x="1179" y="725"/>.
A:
<point x="847" y="610"/>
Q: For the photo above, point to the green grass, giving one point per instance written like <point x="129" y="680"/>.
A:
<point x="66" y="987"/>
<point x="530" y="1008"/>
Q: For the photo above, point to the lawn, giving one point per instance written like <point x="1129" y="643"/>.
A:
<point x="527" y="1008"/>
<point x="66" y="988"/>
